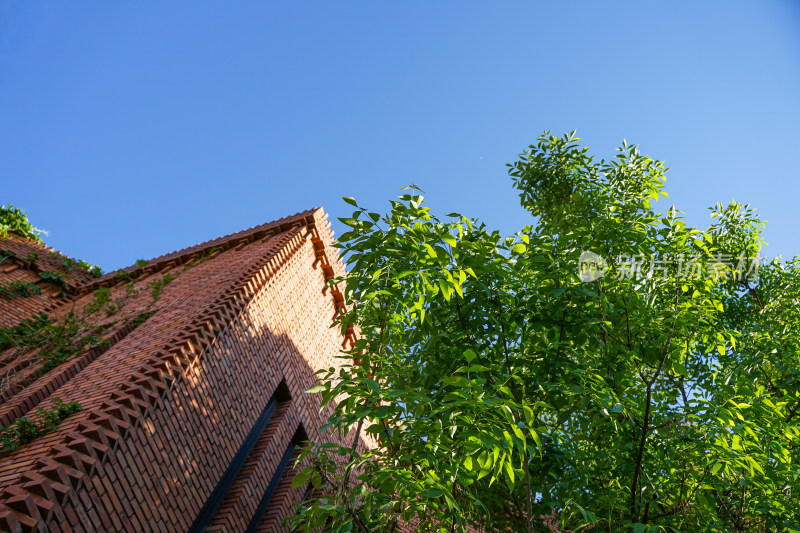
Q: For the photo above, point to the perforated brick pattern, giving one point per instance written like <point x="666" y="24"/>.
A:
<point x="167" y="404"/>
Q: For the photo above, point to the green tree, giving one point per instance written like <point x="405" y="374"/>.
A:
<point x="503" y="386"/>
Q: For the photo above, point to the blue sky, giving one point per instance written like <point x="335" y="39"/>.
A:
<point x="128" y="130"/>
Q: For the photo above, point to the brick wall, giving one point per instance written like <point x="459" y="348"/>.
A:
<point x="169" y="430"/>
<point x="25" y="260"/>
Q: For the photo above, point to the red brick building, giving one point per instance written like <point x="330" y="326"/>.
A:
<point x="190" y="371"/>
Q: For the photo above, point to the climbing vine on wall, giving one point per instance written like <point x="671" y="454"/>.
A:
<point x="12" y="289"/>
<point x="24" y="430"/>
<point x="45" y="341"/>
<point x="70" y="264"/>
<point x="60" y="338"/>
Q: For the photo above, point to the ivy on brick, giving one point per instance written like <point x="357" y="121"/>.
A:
<point x="141" y="319"/>
<point x="70" y="264"/>
<point x="156" y="286"/>
<point x="56" y="279"/>
<point x="13" y="289"/>
<point x="6" y="255"/>
<point x="58" y="340"/>
<point x="205" y="257"/>
<point x="29" y="332"/>
<point x="102" y="297"/>
<point x="67" y="340"/>
<point x="24" y="430"/>
<point x="61" y="338"/>
<point x="124" y="275"/>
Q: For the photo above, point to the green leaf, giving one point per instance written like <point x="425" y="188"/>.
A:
<point x="302" y="477"/>
<point x="509" y="472"/>
<point x="372" y="385"/>
<point x="457" y="381"/>
<point x="469" y="355"/>
<point x="431" y="493"/>
<point x="350" y="200"/>
<point x="535" y="437"/>
<point x="446" y="288"/>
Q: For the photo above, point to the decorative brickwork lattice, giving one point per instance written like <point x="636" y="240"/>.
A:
<point x="192" y="395"/>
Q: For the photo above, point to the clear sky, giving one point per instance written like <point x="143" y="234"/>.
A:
<point x="130" y="129"/>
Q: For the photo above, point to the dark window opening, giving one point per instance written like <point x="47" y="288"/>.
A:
<point x="203" y="519"/>
<point x="298" y="438"/>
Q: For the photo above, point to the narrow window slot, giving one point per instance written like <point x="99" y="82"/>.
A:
<point x="206" y="514"/>
<point x="263" y="505"/>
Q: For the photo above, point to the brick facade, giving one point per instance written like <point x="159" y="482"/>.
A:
<point x="194" y="404"/>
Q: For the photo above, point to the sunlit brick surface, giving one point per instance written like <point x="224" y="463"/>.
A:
<point x="167" y="404"/>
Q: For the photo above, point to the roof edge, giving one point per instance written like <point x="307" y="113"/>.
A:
<point x="190" y="253"/>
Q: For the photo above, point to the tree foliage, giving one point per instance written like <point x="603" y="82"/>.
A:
<point x="501" y="388"/>
<point x="14" y="220"/>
